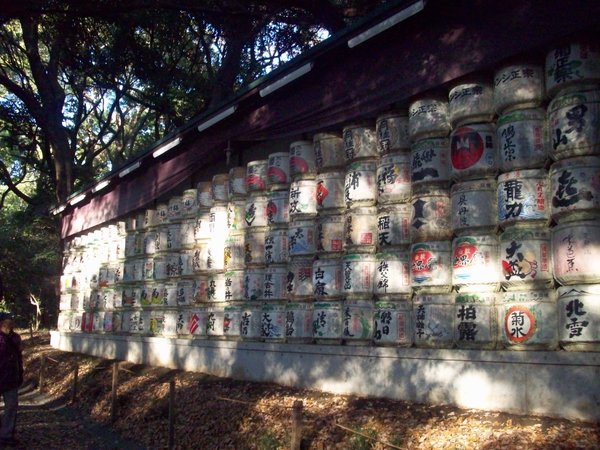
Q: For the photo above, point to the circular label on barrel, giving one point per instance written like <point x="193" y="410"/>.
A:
<point x="519" y="324"/>
<point x="423" y="264"/>
<point x="466" y="148"/>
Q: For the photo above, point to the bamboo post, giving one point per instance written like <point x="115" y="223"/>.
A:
<point x="75" y="381"/>
<point x="113" y="399"/>
<point x="296" y="439"/>
<point x="171" y="414"/>
<point x="42" y="367"/>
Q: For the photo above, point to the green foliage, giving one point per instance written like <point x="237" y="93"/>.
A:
<point x="358" y="442"/>
<point x="268" y="441"/>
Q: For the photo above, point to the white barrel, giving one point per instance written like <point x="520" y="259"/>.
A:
<point x="185" y="292"/>
<point x="236" y="216"/>
<point x="474" y="207"/>
<point x="182" y="327"/>
<point x="173" y="237"/>
<point x="276" y="246"/>
<point x="522" y="140"/>
<point x="302" y="198"/>
<point x="434" y="319"/>
<point x="170" y="294"/>
<point x="215" y="287"/>
<point x="359" y="142"/>
<point x="107" y="325"/>
<point x="199" y="286"/>
<point x="175" y="208"/>
<point x="256" y="211"/>
<point x="200" y="258"/>
<point x="360" y="184"/>
<point x="475" y="263"/>
<point x="196" y="321"/>
<point x="430" y="215"/>
<point x="234" y="252"/>
<point x="273" y="321"/>
<point x="571" y="66"/>
<point x="327" y="278"/>
<point x="300" y="278"/>
<point x="574" y="125"/>
<point x="128" y="298"/>
<point x="526" y="258"/>
<point x="393" y="226"/>
<point x="232" y="318"/>
<point x="234" y="285"/>
<point x="220" y="188"/>
<point x="157" y="323"/>
<point x="298" y="322"/>
<point x="330" y="234"/>
<point x="214" y="321"/>
<point x="148" y="220"/>
<point x="392" y="275"/>
<point x="161" y="237"/>
<point x="428" y="118"/>
<point x="217" y="223"/>
<point x="172" y="323"/>
<point x="575" y="189"/>
<point x="255" y="247"/>
<point x="430" y="161"/>
<point x="174" y="266"/>
<point x="215" y="255"/>
<point x="186" y="263"/>
<point x="327" y="322"/>
<point x="278" y="171"/>
<point x="357" y="321"/>
<point x="392" y="133"/>
<point x="523" y="195"/>
<point x="278" y="213"/>
<point x="393" y="178"/>
<point x="130" y="242"/>
<point x="160" y="269"/>
<point x="137" y="324"/>
<point x="518" y="86"/>
<point x="254" y="284"/>
<point x="329" y="151"/>
<point x="275" y="286"/>
<point x="476" y="321"/>
<point x="251" y="324"/>
<point x="330" y="194"/>
<point x="98" y="321"/>
<point x="358" y="271"/>
<point x="528" y="320"/>
<point x="359" y="230"/>
<point x="188" y="233"/>
<point x="302" y="160"/>
<point x="579" y="317"/>
<point x="202" y="227"/>
<point x="471" y="103"/>
<point x="162" y="214"/>
<point x="118" y="325"/>
<point x="301" y="238"/>
<point x="205" y="194"/>
<point x="152" y="294"/>
<point x="576" y="252"/>
<point x="393" y="323"/>
<point x="473" y="151"/>
<point x="431" y="266"/>
<point x="237" y="183"/>
<point x="256" y="175"/>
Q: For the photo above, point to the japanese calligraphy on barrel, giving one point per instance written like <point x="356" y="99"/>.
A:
<point x="360" y="184"/>
<point x="360" y="227"/>
<point x="298" y="322"/>
<point x="518" y="86"/>
<point x="236" y="216"/>
<point x="392" y="274"/>
<point x="196" y="321"/>
<point x="278" y="171"/>
<point x="359" y="142"/>
<point x="428" y="118"/>
<point x="357" y="321"/>
<point x="256" y="211"/>
<point x="430" y="216"/>
<point x="327" y="278"/>
<point x="392" y="133"/>
<point x="301" y="238"/>
<point x="470" y="103"/>
<point x="215" y="316"/>
<point x="430" y="161"/>
<point x="254" y="284"/>
<point x="431" y="266"/>
<point x="474" y="207"/>
<point x="579" y="317"/>
<point x="392" y="323"/>
<point x="250" y="322"/>
<point x="523" y="196"/>
<point x="278" y="213"/>
<point x="300" y="278"/>
<point x="189" y="203"/>
<point x="476" y="320"/>
<point x="232" y="317"/>
<point x="327" y="322"/>
<point x="357" y="270"/>
<point x="522" y="140"/>
<point x="576" y="252"/>
<point x="393" y="226"/>
<point x="330" y="193"/>
<point x="329" y="151"/>
<point x="571" y="66"/>
<point x="273" y="321"/>
<point x="330" y="234"/>
<point x="234" y="251"/>
<point x="302" y="160"/>
<point x="393" y="178"/>
<point x="475" y="263"/>
<point x="276" y="246"/>
<point x="254" y="247"/>
<point x="434" y="317"/>
<point x="275" y="286"/>
<point x="256" y="175"/>
<point x="302" y="198"/>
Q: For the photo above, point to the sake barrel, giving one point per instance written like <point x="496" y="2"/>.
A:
<point x="430" y="161"/>
<point x="522" y="138"/>
<point x="256" y="175"/>
<point x="278" y="208"/>
<point x="160" y="270"/>
<point x="256" y="211"/>
<point x="182" y="327"/>
<point x="117" y="323"/>
<point x="300" y="278"/>
<point x="169" y="294"/>
<point x="235" y="285"/>
<point x="137" y="322"/>
<point x="302" y="199"/>
<point x="474" y="207"/>
<point x="392" y="133"/>
<point x="428" y="117"/>
<point x="392" y="275"/>
<point x="186" y="263"/>
<point x="359" y="230"/>
<point x="130" y="241"/>
<point x="473" y="151"/>
<point x="430" y="216"/>
<point x="174" y="237"/>
<point x="360" y="184"/>
<point x="174" y="208"/>
<point x="251" y="324"/>
<point x="576" y="252"/>
<point x="131" y="222"/>
<point x="107" y="326"/>
<point x="189" y="203"/>
<point x="273" y="321"/>
<point x="523" y="196"/>
<point x="575" y="189"/>
<point x="434" y="319"/>
<point x="571" y="66"/>
<point x="220" y="188"/>
<point x="330" y="234"/>
<point x="301" y="238"/>
<point x="237" y="183"/>
<point x="128" y="298"/>
<point x="358" y="270"/>
<point x="174" y="265"/>
<point x="170" y="323"/>
<point x="275" y="286"/>
<point x="217" y="223"/>
<point x="185" y="292"/>
<point x="197" y="321"/>
<point x="475" y="263"/>
<point x="579" y="317"/>
<point x="156" y="323"/>
<point x="476" y="320"/>
<point x="98" y="321"/>
<point x="357" y="322"/>
<point x="214" y="321"/>
<point x="215" y="255"/>
<point x="161" y="239"/>
<point x="298" y="322"/>
<point x="526" y="258"/>
<point x="302" y="160"/>
<point x="276" y="246"/>
<point x="431" y="266"/>
<point x="518" y="86"/>
<point x="199" y="286"/>
<point x="255" y="247"/>
<point x="278" y="171"/>
<point x="149" y="220"/>
<point x="574" y="124"/>
<point x="528" y="320"/>
<point x="236" y="216"/>
<point x="162" y="213"/>
<point x="393" y="226"/>
<point x="205" y="194"/>
<point x="327" y="278"/>
<point x="254" y="284"/>
<point x="393" y="323"/>
<point x="393" y="178"/>
<point x="471" y="102"/>
<point x="329" y="151"/>
<point x="327" y="322"/>
<point x="202" y="229"/>
<point x="330" y="193"/>
<point x="234" y="256"/>
<point x="359" y="142"/>
<point x="200" y="259"/>
<point x="149" y="239"/>
<point x="232" y="317"/>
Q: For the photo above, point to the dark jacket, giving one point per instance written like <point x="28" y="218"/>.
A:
<point x="11" y="362"/>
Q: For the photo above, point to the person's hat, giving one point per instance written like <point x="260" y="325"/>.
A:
<point x="5" y="316"/>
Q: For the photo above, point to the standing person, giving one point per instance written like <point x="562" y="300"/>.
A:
<point x="11" y="377"/>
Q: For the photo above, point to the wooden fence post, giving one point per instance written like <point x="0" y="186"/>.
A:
<point x="75" y="381"/>
<point x="113" y="399"/>
<point x="42" y="367"/>
<point x="171" y="414"/>
<point x="296" y="439"/>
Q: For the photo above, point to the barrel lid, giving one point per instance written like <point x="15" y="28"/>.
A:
<point x="586" y="93"/>
<point x="579" y="289"/>
<point x="486" y="298"/>
<point x="430" y="142"/>
<point x="260" y="162"/>
<point x="284" y="154"/>
<point x="331" y="174"/>
<point x="391" y="158"/>
<point x="301" y="143"/>
<point x="220" y="177"/>
<point x="358" y="257"/>
<point x="578" y="161"/>
<point x="326" y="135"/>
<point x="474" y="185"/>
<point x="521" y="115"/>
<point x="531" y="173"/>
<point x="433" y="299"/>
<point x="435" y="245"/>
<point x="523" y="230"/>
<point x="393" y="115"/>
<point x="400" y="254"/>
<point x="239" y="170"/>
<point x="489" y="127"/>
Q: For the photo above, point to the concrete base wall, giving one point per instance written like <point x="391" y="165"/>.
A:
<point x="558" y="384"/>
